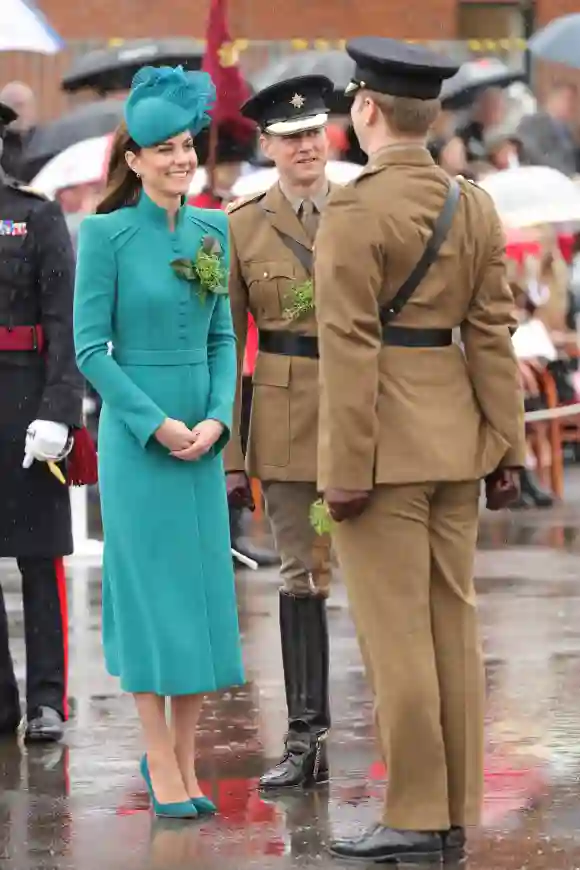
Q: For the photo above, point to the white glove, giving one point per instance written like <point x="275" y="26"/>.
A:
<point x="46" y="442"/>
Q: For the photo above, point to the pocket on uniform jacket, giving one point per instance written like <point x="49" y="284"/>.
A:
<point x="270" y="287"/>
<point x="270" y="417"/>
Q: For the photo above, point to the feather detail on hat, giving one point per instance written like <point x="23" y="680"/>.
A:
<point x="188" y="98"/>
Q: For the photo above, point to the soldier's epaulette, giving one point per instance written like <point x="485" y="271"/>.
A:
<point x="25" y="188"/>
<point x="244" y="200"/>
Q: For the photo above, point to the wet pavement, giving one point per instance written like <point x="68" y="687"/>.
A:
<point x="82" y="805"/>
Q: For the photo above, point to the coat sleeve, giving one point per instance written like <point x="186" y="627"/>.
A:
<point x="62" y="397"/>
<point x="221" y="353"/>
<point x="348" y="277"/>
<point x="94" y="305"/>
<point x="491" y="360"/>
<point x="234" y="457"/>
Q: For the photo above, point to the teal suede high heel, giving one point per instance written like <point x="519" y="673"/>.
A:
<point x="178" y="810"/>
<point x="204" y="806"/>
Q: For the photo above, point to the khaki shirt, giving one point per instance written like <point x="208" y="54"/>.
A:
<point x="399" y="415"/>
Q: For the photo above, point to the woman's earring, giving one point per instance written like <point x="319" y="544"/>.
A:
<point x="137" y="174"/>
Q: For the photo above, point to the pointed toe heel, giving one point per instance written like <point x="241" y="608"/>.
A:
<point x="204" y="806"/>
<point x="178" y="810"/>
<point x="144" y="769"/>
<point x="181" y="810"/>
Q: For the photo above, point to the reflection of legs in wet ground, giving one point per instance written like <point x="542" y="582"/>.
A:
<point x="9" y="699"/>
<point x="306" y="821"/>
<point x="306" y="572"/>
<point x="10" y="782"/>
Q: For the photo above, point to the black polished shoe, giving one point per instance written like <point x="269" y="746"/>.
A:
<point x="454" y="841"/>
<point x="533" y="492"/>
<point x="303" y="764"/>
<point x="382" y="845"/>
<point x="264" y="557"/>
<point x="45" y="726"/>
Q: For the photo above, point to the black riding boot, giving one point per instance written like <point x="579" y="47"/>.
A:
<point x="243" y="545"/>
<point x="304" y="634"/>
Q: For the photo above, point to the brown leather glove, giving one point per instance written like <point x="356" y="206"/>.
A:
<point x="239" y="490"/>
<point x="346" y="504"/>
<point x="502" y="488"/>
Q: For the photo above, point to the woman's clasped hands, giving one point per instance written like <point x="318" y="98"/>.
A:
<point x="189" y="444"/>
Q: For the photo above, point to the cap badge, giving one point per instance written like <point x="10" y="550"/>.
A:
<point x="297" y="101"/>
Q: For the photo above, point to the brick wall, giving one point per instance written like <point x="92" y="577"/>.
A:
<point x="87" y="24"/>
<point x="256" y="19"/>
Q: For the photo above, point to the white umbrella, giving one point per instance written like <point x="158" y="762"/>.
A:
<point x="337" y="171"/>
<point x="84" y="163"/>
<point x="24" y="28"/>
<point x="532" y="195"/>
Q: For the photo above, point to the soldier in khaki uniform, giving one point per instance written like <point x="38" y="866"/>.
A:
<point x="409" y="426"/>
<point x="272" y="238"/>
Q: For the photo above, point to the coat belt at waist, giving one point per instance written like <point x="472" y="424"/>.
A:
<point x="293" y="344"/>
<point x="135" y="357"/>
<point x="22" y="338"/>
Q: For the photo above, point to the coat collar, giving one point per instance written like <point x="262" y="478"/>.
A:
<point x="398" y="155"/>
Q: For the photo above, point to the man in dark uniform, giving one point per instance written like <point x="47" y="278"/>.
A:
<point x="410" y="424"/>
<point x="41" y="395"/>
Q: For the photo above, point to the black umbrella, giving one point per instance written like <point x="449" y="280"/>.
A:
<point x="335" y="65"/>
<point x="92" y="119"/>
<point x="112" y="69"/>
<point x="475" y="76"/>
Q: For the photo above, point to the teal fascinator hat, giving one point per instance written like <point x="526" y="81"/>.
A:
<point x="165" y="101"/>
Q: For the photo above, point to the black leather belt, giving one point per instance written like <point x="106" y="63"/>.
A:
<point x="288" y="343"/>
<point x="293" y="344"/>
<point x="407" y="336"/>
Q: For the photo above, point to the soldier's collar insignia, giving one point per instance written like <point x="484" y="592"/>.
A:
<point x="13" y="228"/>
<point x="297" y="101"/>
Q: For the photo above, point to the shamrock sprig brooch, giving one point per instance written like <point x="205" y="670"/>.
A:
<point x="302" y="301"/>
<point x="206" y="270"/>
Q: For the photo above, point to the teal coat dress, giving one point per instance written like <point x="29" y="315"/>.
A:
<point x="153" y="348"/>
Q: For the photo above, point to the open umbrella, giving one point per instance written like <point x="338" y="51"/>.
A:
<point x="558" y="41"/>
<point x="335" y="65"/>
<point x="87" y="162"/>
<point x="24" y="28"/>
<point x="83" y="163"/>
<point x="475" y="76"/>
<point x="112" y="69"/>
<point x="84" y="122"/>
<point x="337" y="171"/>
<point x="533" y="195"/>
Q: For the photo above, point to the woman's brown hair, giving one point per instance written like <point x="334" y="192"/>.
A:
<point x="123" y="186"/>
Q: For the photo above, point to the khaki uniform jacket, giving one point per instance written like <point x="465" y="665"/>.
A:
<point x="264" y="273"/>
<point x="398" y="415"/>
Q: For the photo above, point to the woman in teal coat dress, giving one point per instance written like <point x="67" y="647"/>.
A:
<point x="154" y="338"/>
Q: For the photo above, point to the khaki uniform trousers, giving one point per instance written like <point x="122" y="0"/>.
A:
<point x="305" y="556"/>
<point x="408" y="567"/>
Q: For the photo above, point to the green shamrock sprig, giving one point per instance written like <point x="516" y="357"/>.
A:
<point x="302" y="301"/>
<point x="207" y="269"/>
<point x="320" y="518"/>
